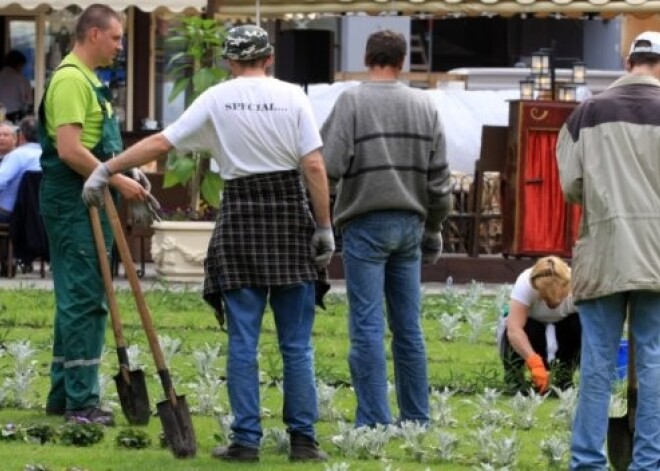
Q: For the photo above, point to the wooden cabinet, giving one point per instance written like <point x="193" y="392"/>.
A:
<point x="536" y="219"/>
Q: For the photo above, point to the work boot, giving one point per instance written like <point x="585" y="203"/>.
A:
<point x="304" y="448"/>
<point x="94" y="415"/>
<point x="236" y="452"/>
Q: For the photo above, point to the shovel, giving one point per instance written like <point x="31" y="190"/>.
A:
<point x="131" y="385"/>
<point x="173" y="412"/>
<point x="621" y="430"/>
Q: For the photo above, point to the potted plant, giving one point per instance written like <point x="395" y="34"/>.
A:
<point x="180" y="241"/>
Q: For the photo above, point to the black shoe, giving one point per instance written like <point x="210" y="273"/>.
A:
<point x="53" y="410"/>
<point x="236" y="452"/>
<point x="94" y="415"/>
<point x="304" y="448"/>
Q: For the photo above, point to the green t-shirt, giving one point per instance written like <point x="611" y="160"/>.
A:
<point x="70" y="99"/>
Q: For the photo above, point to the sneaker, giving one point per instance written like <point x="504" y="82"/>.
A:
<point x="304" y="448"/>
<point x="236" y="452"/>
<point x="94" y="415"/>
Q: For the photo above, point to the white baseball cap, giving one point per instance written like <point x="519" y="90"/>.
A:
<point x="650" y="37"/>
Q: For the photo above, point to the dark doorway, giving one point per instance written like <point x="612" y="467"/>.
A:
<point x="498" y="41"/>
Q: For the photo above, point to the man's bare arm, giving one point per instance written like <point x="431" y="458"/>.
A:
<point x="71" y="150"/>
<point x="316" y="180"/>
<point x="152" y="148"/>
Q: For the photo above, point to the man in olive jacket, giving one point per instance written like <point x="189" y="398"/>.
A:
<point x="609" y="162"/>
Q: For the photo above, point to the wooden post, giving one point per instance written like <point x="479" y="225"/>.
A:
<point x="212" y="7"/>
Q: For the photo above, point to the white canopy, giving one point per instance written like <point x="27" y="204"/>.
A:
<point x="437" y="8"/>
<point x="463" y="113"/>
<point x="242" y="9"/>
<point x="119" y="5"/>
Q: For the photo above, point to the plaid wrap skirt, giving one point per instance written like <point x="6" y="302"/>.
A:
<point x="263" y="235"/>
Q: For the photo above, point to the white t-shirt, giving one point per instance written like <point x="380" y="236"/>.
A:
<point x="251" y="125"/>
<point x="524" y="293"/>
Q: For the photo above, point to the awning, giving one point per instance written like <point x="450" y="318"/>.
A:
<point x="119" y="5"/>
<point x="435" y="8"/>
<point x="241" y="9"/>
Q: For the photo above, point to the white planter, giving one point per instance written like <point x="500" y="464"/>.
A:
<point x="178" y="249"/>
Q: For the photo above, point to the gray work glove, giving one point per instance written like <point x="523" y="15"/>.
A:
<point x="95" y="184"/>
<point x="323" y="246"/>
<point x="144" y="213"/>
<point x="431" y="247"/>
<point x="139" y="176"/>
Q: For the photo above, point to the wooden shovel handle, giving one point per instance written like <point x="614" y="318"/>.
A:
<point x="134" y="282"/>
<point x="101" y="252"/>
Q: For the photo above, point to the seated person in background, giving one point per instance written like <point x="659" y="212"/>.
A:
<point x="15" y="88"/>
<point x="541" y="328"/>
<point x="8" y="138"/>
<point x="23" y="159"/>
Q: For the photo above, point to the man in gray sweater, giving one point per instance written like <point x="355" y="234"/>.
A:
<point x="384" y="151"/>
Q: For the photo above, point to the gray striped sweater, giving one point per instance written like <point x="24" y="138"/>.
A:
<point x="384" y="149"/>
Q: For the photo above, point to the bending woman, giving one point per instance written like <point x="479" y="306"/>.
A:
<point x="541" y="329"/>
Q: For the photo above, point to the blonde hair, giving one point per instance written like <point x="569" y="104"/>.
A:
<point x="551" y="277"/>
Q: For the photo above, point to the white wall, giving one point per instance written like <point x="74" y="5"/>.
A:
<point x="354" y="33"/>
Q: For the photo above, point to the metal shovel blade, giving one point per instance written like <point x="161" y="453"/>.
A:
<point x="619" y="442"/>
<point x="133" y="397"/>
<point x="178" y="427"/>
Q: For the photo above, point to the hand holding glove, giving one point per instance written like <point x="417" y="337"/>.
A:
<point x="323" y="246"/>
<point x="145" y="212"/>
<point x="540" y="376"/>
<point x="139" y="176"/>
<point x="95" y="184"/>
<point x="431" y="247"/>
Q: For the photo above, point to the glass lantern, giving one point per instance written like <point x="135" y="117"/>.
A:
<point x="567" y="92"/>
<point x="579" y="75"/>
<point x="527" y="88"/>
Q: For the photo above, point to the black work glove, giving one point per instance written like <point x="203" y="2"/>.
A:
<point x="431" y="247"/>
<point x="220" y="316"/>
<point x="321" y="287"/>
<point x="215" y="301"/>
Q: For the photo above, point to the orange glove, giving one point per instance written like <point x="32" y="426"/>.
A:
<point x="540" y="376"/>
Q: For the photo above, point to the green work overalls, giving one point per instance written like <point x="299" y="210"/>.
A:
<point x="81" y="309"/>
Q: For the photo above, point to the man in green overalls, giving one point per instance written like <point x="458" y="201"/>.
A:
<point x="77" y="130"/>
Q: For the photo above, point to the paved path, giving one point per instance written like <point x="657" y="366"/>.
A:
<point x="150" y="281"/>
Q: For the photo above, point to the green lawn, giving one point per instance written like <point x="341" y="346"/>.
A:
<point x="466" y="365"/>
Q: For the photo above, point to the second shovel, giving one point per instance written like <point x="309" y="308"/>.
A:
<point x="173" y="412"/>
<point x="131" y="385"/>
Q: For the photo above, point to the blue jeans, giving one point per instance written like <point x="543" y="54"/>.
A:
<point x="382" y="258"/>
<point x="602" y="326"/>
<point x="293" y="309"/>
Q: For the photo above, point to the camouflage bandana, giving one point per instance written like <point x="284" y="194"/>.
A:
<point x="248" y="42"/>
